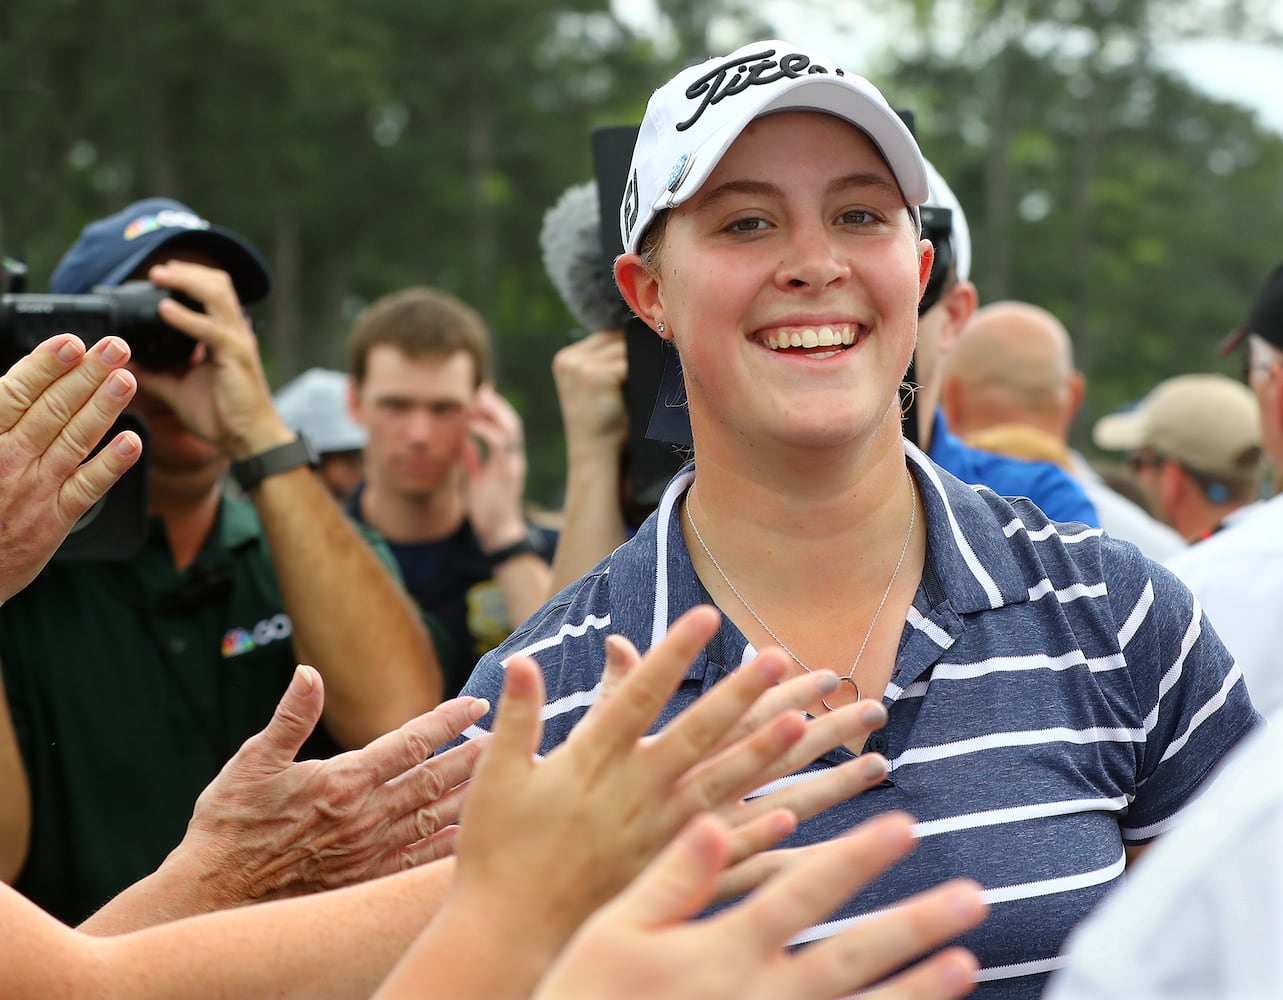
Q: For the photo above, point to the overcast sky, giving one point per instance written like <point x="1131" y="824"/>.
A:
<point x="1246" y="74"/>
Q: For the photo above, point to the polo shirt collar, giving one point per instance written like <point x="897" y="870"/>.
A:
<point x="237" y="523"/>
<point x="969" y="539"/>
<point x="968" y="544"/>
<point x="657" y="563"/>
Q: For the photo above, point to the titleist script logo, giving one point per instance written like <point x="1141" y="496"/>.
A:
<point x="737" y="75"/>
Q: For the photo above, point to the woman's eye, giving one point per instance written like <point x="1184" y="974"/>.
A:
<point x="856" y="217"/>
<point x="752" y="225"/>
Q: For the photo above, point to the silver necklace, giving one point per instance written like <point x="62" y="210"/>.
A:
<point x="849" y="676"/>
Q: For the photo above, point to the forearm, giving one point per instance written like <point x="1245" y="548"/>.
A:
<point x="186" y="884"/>
<point x="15" y="798"/>
<point x="351" y="620"/>
<point x="593" y="523"/>
<point x="487" y="951"/>
<point x="525" y="581"/>
<point x="336" y="944"/>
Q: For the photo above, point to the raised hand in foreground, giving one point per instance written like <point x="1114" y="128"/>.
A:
<point x="644" y="945"/>
<point x="55" y="404"/>
<point x="543" y="843"/>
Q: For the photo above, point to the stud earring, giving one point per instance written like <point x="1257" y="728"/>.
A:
<point x="661" y="328"/>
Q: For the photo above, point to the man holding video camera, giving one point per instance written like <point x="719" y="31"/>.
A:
<point x="131" y="682"/>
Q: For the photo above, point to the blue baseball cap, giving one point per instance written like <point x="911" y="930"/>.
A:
<point x="111" y="249"/>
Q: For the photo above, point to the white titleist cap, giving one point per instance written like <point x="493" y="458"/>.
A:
<point x="942" y="196"/>
<point x="693" y="119"/>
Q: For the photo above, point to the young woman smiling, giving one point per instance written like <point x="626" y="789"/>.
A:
<point x="1053" y="699"/>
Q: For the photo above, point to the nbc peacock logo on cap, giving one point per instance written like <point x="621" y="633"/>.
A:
<point x="167" y="219"/>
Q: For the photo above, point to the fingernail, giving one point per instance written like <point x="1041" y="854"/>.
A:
<point x="614" y="651"/>
<point x="826" y="682"/>
<point x="128" y="446"/>
<point x="965" y="901"/>
<point x="479" y="708"/>
<point x="957" y="975"/>
<point x="873" y="715"/>
<point x="119" y="385"/>
<point x="113" y="351"/>
<point x="783" y="824"/>
<point x="305" y="673"/>
<point x="772" y="667"/>
<point x="873" y="766"/>
<point x="69" y="351"/>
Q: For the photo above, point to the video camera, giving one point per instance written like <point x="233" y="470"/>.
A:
<point x="937" y="226"/>
<point x="115" y="527"/>
<point x="129" y="311"/>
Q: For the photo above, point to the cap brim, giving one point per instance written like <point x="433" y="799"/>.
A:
<point x="1119" y="431"/>
<point x="828" y="95"/>
<point x="242" y="263"/>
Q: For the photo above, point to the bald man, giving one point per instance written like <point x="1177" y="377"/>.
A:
<point x="1010" y="379"/>
<point x="950" y="302"/>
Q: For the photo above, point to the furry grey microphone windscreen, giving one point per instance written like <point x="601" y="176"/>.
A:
<point x="573" y="257"/>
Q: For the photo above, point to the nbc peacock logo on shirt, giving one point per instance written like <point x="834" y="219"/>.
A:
<point x="240" y="640"/>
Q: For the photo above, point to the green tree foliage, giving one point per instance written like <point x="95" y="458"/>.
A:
<point x="364" y="146"/>
<point x="373" y="144"/>
<point x="1098" y="182"/>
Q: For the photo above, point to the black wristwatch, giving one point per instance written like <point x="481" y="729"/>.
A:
<point x="249" y="472"/>
<point x="522" y="547"/>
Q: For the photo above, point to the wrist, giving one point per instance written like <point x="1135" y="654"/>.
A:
<point x="255" y="440"/>
<point x="500" y="535"/>
<point x="601" y="458"/>
<point x="509" y="948"/>
<point x="295" y="453"/>
<point x="523" y="546"/>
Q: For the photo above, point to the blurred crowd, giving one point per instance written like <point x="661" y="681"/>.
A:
<point x="164" y="758"/>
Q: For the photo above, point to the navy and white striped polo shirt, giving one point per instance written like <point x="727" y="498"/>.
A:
<point x="1055" y="696"/>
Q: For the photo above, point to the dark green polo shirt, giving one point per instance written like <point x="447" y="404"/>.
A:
<point x="131" y="684"/>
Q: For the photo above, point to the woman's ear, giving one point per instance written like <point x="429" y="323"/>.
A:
<point x="928" y="255"/>
<point x="641" y="291"/>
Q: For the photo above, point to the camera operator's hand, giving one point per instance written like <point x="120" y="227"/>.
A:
<point x="224" y="396"/>
<point x="55" y="405"/>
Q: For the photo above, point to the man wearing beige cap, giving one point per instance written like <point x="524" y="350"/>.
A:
<point x="1195" y="444"/>
<point x="1238" y="574"/>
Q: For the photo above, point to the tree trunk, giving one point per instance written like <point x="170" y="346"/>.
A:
<point x="286" y="330"/>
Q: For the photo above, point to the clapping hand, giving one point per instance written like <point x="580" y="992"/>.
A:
<point x="55" y="405"/>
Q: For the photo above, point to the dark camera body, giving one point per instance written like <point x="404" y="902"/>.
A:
<point x="649" y="463"/>
<point x="937" y="226"/>
<point x="129" y="311"/>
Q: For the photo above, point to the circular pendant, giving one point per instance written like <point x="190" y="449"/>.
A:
<point x="843" y="680"/>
